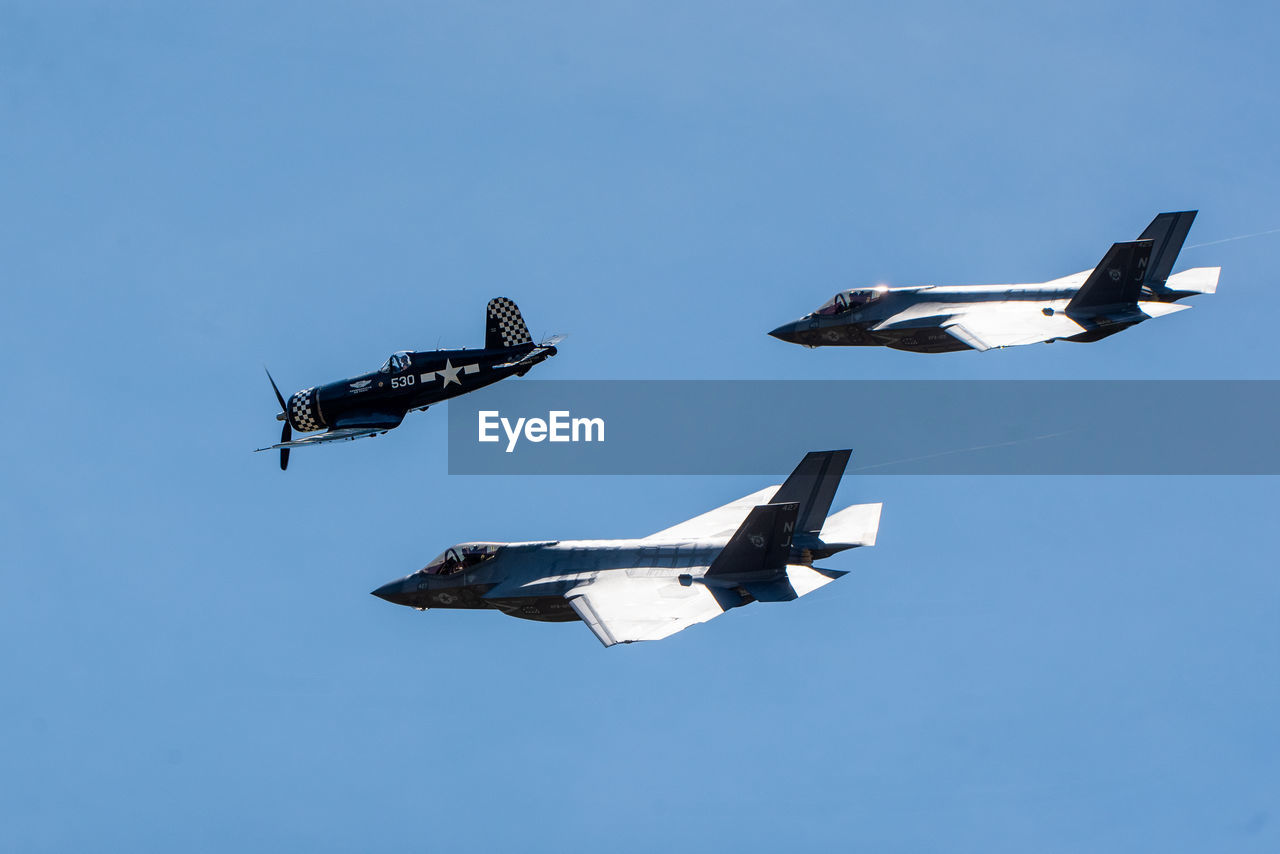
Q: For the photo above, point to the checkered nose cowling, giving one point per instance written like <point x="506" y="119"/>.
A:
<point x="304" y="412"/>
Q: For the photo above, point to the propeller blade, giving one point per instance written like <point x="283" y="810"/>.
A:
<point x="285" y="435"/>
<point x="552" y="340"/>
<point x="280" y="397"/>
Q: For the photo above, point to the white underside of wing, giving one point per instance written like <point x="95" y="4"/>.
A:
<point x="620" y="608"/>
<point x="720" y="522"/>
<point x="1009" y="325"/>
<point x="625" y="606"/>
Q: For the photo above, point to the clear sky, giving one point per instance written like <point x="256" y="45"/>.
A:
<point x="189" y="655"/>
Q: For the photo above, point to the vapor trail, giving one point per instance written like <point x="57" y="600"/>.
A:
<point x="1240" y="237"/>
<point x="967" y="450"/>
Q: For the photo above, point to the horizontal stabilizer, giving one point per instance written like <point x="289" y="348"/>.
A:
<point x="806" y="579"/>
<point x="1197" y="280"/>
<point x="533" y="357"/>
<point x="853" y="526"/>
<point x="1160" y="309"/>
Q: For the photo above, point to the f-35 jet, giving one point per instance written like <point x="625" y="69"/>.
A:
<point x="1131" y="284"/>
<point x="374" y="403"/>
<point x="760" y="548"/>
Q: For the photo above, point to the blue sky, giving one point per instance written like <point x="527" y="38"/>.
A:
<point x="189" y="652"/>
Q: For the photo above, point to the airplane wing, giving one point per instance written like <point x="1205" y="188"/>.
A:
<point x="335" y="435"/>
<point x="621" y="608"/>
<point x="720" y="522"/>
<point x="1009" y="325"/>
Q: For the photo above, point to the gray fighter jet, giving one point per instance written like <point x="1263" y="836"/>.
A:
<point x="1130" y="285"/>
<point x="760" y="548"/>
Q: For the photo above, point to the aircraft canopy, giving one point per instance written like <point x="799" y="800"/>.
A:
<point x="399" y="361"/>
<point x="460" y="557"/>
<point x="851" y="299"/>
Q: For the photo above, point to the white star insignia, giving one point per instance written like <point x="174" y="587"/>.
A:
<point x="449" y="373"/>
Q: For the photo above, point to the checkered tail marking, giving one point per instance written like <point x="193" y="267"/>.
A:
<point x="506" y="322"/>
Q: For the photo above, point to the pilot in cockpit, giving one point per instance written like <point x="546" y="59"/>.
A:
<point x="847" y="300"/>
<point x="398" y="362"/>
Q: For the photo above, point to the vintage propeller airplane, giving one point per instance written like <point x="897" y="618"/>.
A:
<point x="374" y="403"/>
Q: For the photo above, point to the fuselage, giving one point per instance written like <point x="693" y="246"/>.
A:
<point x="407" y="381"/>
<point x="1132" y="283"/>
<point x="530" y="580"/>
<point x="913" y="318"/>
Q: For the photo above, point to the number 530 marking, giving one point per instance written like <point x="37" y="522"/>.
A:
<point x="402" y="382"/>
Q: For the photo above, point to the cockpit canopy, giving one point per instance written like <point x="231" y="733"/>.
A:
<point x="849" y="300"/>
<point x="399" y="361"/>
<point x="461" y="557"/>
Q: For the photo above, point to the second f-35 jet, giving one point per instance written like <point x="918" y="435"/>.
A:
<point x="760" y="548"/>
<point x="1131" y="284"/>
<point x="374" y="403"/>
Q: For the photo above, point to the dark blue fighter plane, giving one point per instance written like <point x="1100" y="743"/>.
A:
<point x="371" y="404"/>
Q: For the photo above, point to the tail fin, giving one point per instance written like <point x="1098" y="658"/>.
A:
<point x="1167" y="233"/>
<point x="853" y="526"/>
<point x="504" y="327"/>
<point x="1118" y="278"/>
<point x="761" y="545"/>
<point x="812" y="485"/>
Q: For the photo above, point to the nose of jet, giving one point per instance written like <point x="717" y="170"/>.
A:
<point x="394" y="592"/>
<point x="788" y="332"/>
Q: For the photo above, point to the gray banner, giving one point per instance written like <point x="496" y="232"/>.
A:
<point x="894" y="427"/>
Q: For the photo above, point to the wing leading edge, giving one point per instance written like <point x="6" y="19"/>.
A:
<point x="336" y="435"/>
<point x="717" y="523"/>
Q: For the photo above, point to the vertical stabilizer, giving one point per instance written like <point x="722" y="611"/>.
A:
<point x="1117" y="280"/>
<point x="1167" y="232"/>
<point x="812" y="485"/>
<point x="761" y="544"/>
<point x="504" y="327"/>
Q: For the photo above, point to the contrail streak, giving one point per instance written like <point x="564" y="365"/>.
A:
<point x="967" y="450"/>
<point x="1240" y="237"/>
